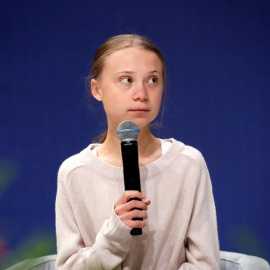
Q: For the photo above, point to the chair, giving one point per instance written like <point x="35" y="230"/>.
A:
<point x="238" y="261"/>
<point x="228" y="261"/>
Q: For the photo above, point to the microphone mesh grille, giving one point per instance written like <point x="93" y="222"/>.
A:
<point x="128" y="131"/>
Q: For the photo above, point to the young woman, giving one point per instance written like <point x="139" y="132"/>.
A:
<point x="94" y="216"/>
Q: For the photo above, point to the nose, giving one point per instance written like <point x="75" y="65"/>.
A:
<point x="140" y="92"/>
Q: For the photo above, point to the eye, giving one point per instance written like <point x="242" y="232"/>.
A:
<point x="126" y="80"/>
<point x="153" y="80"/>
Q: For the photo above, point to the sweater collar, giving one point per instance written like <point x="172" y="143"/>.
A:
<point x="147" y="171"/>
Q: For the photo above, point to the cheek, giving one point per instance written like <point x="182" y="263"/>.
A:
<point x="112" y="104"/>
<point x="157" y="99"/>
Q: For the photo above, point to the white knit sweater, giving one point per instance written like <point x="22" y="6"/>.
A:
<point x="181" y="230"/>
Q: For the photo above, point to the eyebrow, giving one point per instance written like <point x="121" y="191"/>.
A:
<point x="124" y="72"/>
<point x="130" y="72"/>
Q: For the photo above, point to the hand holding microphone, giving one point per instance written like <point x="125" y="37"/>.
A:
<point x="130" y="207"/>
<point x="124" y="209"/>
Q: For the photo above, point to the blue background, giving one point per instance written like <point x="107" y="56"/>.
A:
<point x="218" y="63"/>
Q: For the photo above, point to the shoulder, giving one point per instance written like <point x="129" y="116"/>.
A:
<point x="186" y="152"/>
<point x="191" y="159"/>
<point x="76" y="161"/>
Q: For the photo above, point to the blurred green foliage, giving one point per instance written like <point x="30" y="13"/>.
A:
<point x="8" y="174"/>
<point x="248" y="241"/>
<point x="35" y="245"/>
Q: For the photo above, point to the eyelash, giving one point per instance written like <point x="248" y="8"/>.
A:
<point x="155" y="78"/>
<point x="130" y="79"/>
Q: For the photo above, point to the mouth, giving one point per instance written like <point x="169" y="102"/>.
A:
<point x="139" y="111"/>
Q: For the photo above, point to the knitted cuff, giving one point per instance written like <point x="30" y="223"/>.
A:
<point x="116" y="230"/>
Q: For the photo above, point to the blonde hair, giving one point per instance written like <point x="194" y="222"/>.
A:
<point x="120" y="42"/>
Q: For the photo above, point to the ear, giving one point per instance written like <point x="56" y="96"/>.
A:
<point x="95" y="90"/>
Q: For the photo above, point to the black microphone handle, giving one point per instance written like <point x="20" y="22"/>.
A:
<point x="130" y="159"/>
<point x="136" y="231"/>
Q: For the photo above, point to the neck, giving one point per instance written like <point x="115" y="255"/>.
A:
<point x="148" y="148"/>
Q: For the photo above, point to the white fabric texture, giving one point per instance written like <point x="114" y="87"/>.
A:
<point x="181" y="231"/>
<point x="165" y="145"/>
<point x="228" y="261"/>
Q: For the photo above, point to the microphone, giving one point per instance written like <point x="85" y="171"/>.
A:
<point x="128" y="133"/>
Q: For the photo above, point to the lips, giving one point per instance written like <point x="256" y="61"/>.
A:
<point x="139" y="111"/>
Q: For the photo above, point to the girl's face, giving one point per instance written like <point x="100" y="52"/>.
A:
<point x="130" y="86"/>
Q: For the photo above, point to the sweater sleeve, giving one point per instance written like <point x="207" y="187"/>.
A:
<point x="202" y="246"/>
<point x="111" y="245"/>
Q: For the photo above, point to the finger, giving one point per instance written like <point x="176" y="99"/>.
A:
<point x="126" y="207"/>
<point x="148" y="202"/>
<point x="135" y="223"/>
<point x="133" y="214"/>
<point x="130" y="194"/>
<point x="136" y="204"/>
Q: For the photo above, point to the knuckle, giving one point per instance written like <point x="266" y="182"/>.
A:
<point x="140" y="223"/>
<point x="137" y="223"/>
<point x="117" y="212"/>
<point x="131" y="204"/>
<point x="136" y="213"/>
<point x="128" y="223"/>
<point x="115" y="208"/>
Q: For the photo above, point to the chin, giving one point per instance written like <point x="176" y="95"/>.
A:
<point x="142" y="123"/>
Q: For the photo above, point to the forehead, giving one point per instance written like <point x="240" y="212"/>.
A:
<point x="132" y="58"/>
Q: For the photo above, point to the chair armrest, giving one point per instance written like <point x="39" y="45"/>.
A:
<point x="237" y="261"/>
<point x="41" y="263"/>
<point x="228" y="261"/>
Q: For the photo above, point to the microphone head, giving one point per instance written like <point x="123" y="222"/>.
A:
<point x="128" y="131"/>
